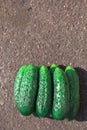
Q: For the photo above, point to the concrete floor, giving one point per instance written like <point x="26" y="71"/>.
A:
<point x="41" y="32"/>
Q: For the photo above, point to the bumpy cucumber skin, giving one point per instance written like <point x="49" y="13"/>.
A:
<point x="17" y="83"/>
<point x="44" y="97"/>
<point x="61" y="95"/>
<point x="28" y="90"/>
<point x="74" y="92"/>
<point x="52" y="69"/>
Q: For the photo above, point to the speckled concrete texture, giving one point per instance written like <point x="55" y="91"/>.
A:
<point x="41" y="32"/>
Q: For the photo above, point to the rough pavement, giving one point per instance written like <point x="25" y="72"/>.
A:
<point x="41" y="32"/>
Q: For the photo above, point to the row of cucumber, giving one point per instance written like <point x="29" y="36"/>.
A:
<point x="47" y="91"/>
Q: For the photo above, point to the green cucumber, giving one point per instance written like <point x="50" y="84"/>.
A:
<point x="74" y="91"/>
<point x="61" y="95"/>
<point x="28" y="90"/>
<point x="44" y="97"/>
<point x="53" y="67"/>
<point x="17" y="83"/>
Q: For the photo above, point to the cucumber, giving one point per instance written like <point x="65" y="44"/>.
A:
<point x="28" y="90"/>
<point x="17" y="83"/>
<point x="53" y="67"/>
<point x="74" y="92"/>
<point x="44" y="97"/>
<point x="61" y="95"/>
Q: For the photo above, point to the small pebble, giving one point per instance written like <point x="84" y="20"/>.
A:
<point x="1" y="102"/>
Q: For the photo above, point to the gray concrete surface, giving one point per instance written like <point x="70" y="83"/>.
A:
<point x="41" y="32"/>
